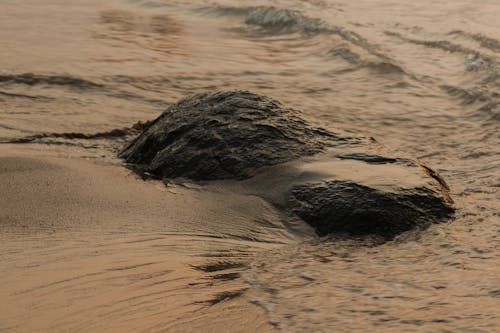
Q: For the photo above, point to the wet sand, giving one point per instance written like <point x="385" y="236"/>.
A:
<point x="88" y="246"/>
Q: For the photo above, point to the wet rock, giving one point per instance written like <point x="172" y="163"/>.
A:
<point x="357" y="194"/>
<point x="336" y="184"/>
<point x="224" y="135"/>
<point x="354" y="209"/>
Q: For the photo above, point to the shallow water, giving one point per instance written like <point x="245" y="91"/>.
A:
<point x="421" y="77"/>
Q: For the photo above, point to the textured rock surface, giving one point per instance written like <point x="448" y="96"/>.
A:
<point x="224" y="135"/>
<point x="350" y="208"/>
<point x="346" y="185"/>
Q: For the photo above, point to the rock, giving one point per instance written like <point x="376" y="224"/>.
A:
<point x="336" y="184"/>
<point x="350" y="208"/>
<point x="224" y="135"/>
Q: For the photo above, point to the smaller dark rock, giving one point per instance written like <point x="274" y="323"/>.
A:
<point x="354" y="209"/>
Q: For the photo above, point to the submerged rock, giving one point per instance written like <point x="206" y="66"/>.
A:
<point x="336" y="184"/>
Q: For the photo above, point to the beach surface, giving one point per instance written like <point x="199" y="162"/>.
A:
<point x="89" y="246"/>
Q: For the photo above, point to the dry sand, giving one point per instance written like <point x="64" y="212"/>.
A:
<point x="88" y="246"/>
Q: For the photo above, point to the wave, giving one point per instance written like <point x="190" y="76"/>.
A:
<point x="285" y="21"/>
<point x="6" y="127"/>
<point x="111" y="134"/>
<point x="288" y="21"/>
<point x="484" y="41"/>
<point x="345" y="54"/>
<point x="230" y="10"/>
<point x="474" y="60"/>
<point x="491" y="106"/>
<point x="491" y="109"/>
<point x="16" y="95"/>
<point x="438" y="44"/>
<point x="385" y="67"/>
<point x="277" y="21"/>
<point x="379" y="67"/>
<point x="469" y="96"/>
<point x="32" y="79"/>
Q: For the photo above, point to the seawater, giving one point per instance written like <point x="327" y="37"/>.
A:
<point x="422" y="77"/>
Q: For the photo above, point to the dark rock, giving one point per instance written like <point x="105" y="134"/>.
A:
<point x="335" y="184"/>
<point x="224" y="135"/>
<point x="357" y="194"/>
<point x="354" y="209"/>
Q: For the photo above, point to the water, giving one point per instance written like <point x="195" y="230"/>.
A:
<point x="421" y="77"/>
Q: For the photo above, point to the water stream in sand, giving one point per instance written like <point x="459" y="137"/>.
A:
<point x="420" y="76"/>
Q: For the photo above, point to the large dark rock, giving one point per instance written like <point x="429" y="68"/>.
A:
<point x="223" y="135"/>
<point x="336" y="184"/>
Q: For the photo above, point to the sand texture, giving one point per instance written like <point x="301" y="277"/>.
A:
<point x="88" y="246"/>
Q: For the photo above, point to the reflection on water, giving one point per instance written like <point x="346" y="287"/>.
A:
<point x="423" y="77"/>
